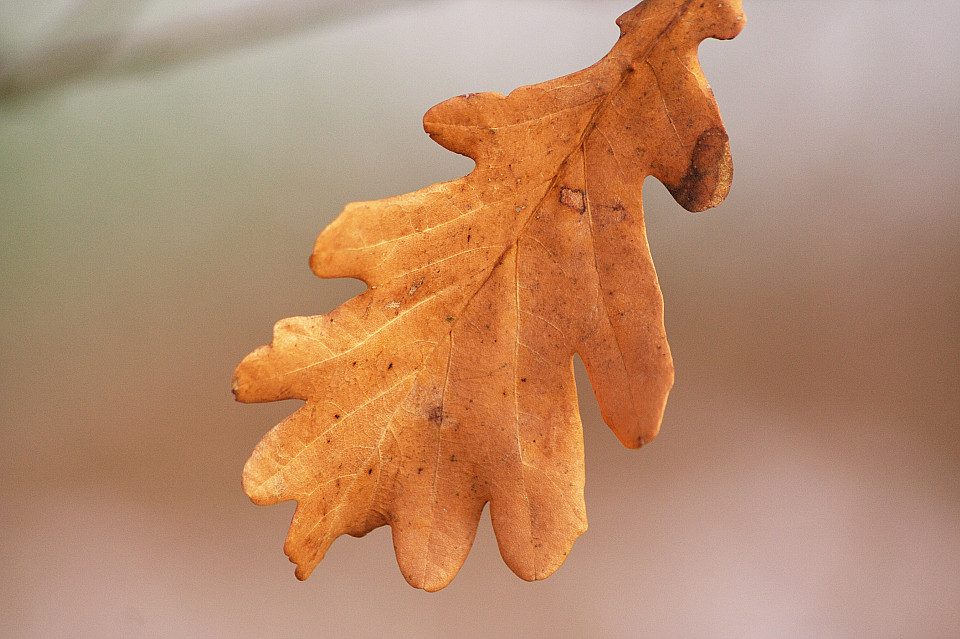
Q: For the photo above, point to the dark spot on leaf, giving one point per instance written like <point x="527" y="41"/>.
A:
<point x="707" y="180"/>
<point x="390" y="366"/>
<point x="574" y="199"/>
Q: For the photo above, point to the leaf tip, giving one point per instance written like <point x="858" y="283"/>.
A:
<point x="434" y="585"/>
<point x="253" y="483"/>
<point x="302" y="572"/>
<point x="237" y="385"/>
<point x="642" y="438"/>
<point x="247" y="372"/>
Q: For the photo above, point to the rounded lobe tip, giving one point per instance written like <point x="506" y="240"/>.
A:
<point x="706" y="182"/>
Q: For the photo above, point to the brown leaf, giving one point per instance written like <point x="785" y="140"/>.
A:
<point x="449" y="382"/>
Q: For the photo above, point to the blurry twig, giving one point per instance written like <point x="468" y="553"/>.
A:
<point x="174" y="42"/>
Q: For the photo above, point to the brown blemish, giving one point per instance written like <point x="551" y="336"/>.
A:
<point x="707" y="180"/>
<point x="435" y="414"/>
<point x="414" y="287"/>
<point x="573" y="198"/>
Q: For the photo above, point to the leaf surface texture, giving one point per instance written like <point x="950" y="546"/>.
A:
<point x="449" y="382"/>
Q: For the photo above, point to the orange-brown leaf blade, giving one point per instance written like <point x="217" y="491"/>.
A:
<point x="449" y="382"/>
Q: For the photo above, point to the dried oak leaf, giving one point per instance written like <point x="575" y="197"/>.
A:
<point x="449" y="382"/>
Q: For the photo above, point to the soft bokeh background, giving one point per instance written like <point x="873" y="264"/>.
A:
<point x="156" y="214"/>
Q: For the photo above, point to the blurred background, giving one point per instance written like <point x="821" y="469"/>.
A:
<point x="164" y="171"/>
